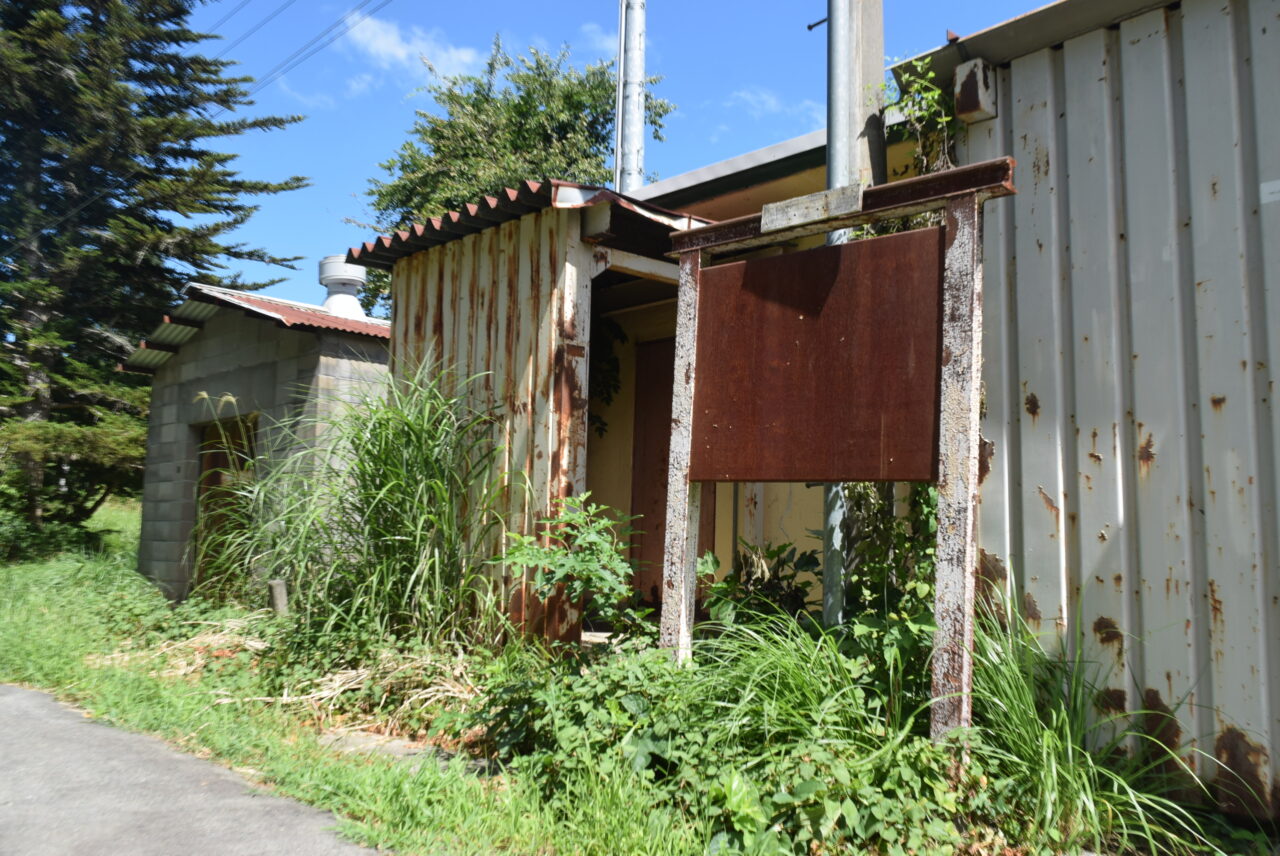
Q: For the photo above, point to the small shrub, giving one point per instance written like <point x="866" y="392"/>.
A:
<point x="763" y="580"/>
<point x="582" y="556"/>
<point x="21" y="541"/>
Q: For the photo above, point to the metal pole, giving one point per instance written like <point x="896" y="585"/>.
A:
<point x="855" y="65"/>
<point x="631" y="119"/>
<point x="617" y="96"/>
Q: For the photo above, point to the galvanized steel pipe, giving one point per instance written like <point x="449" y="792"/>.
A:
<point x="630" y="154"/>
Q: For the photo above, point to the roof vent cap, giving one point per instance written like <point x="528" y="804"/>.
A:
<point x="342" y="282"/>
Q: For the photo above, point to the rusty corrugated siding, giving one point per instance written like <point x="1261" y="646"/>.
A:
<point x="1132" y="329"/>
<point x="506" y="305"/>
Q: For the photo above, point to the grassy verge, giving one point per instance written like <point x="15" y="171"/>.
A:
<point x="782" y="740"/>
<point x="89" y="629"/>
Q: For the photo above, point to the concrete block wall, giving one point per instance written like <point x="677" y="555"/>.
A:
<point x="237" y="365"/>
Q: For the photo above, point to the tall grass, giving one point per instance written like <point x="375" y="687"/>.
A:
<point x="1087" y="778"/>
<point x="380" y="518"/>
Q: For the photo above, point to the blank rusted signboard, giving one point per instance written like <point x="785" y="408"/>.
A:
<point x="857" y="325"/>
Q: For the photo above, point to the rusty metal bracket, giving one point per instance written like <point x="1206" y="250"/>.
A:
<point x="960" y="193"/>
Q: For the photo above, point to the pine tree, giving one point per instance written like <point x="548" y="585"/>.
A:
<point x="110" y="200"/>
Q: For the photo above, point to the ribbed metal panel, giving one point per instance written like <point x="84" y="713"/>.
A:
<point x="1132" y="304"/>
<point x="505" y="306"/>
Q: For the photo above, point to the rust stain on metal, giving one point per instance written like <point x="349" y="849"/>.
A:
<point x="821" y="331"/>
<point x="1110" y="700"/>
<point x="1052" y="508"/>
<point x="1218" y="401"/>
<point x="993" y="578"/>
<point x="986" y="449"/>
<point x="1215" y="602"/>
<point x="1146" y="454"/>
<point x="1032" y="404"/>
<point x="1241" y="787"/>
<point x="1107" y="631"/>
<point x="1030" y="608"/>
<point x="968" y="97"/>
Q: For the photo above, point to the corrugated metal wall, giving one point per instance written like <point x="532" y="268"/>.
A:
<point x="508" y="304"/>
<point x="1132" y="305"/>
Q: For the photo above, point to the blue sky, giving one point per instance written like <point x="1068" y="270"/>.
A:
<point x="743" y="75"/>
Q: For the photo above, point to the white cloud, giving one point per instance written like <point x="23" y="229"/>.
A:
<point x="815" y="112"/>
<point x="393" y="49"/>
<point x="360" y="84"/>
<point x="596" y="39"/>
<point x="319" y="100"/>
<point x="760" y="103"/>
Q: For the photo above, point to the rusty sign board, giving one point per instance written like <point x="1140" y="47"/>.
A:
<point x="750" y="364"/>
<point x="857" y="325"/>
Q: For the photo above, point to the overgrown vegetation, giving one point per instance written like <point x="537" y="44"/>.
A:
<point x="781" y="736"/>
<point x="382" y="531"/>
<point x="927" y="110"/>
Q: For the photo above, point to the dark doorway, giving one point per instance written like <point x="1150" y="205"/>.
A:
<point x="226" y="462"/>
<point x="655" y="370"/>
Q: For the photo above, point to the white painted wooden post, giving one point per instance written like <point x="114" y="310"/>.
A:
<point x="958" y="468"/>
<point x="753" y="513"/>
<point x="680" y="557"/>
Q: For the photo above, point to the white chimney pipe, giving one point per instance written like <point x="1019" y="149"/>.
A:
<point x="342" y="282"/>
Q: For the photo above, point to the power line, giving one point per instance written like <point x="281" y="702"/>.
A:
<point x="228" y="16"/>
<point x="258" y="26"/>
<point x="279" y="68"/>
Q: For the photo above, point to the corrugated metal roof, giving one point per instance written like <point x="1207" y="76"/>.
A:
<point x="204" y="301"/>
<point x="511" y="203"/>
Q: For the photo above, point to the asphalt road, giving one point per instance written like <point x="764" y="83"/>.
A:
<point x="69" y="785"/>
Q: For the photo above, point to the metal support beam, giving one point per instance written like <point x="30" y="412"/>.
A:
<point x="855" y="63"/>
<point x="960" y="394"/>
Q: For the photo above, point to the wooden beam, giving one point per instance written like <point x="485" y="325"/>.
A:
<point x="814" y="208"/>
<point x="960" y="395"/>
<point x="987" y="180"/>
<point x="641" y="267"/>
<point x="684" y="499"/>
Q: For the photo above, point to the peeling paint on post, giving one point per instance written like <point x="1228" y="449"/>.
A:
<point x="958" y="468"/>
<point x="680" y="559"/>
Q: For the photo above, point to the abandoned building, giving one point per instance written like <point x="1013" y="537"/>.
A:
<point x="229" y="366"/>
<point x="1129" y="492"/>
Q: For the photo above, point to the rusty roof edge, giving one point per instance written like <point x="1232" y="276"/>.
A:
<point x="227" y="296"/>
<point x="1027" y="33"/>
<point x="232" y="294"/>
<point x="197" y="292"/>
<point x="509" y="204"/>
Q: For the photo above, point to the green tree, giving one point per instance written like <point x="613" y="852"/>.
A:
<point x="527" y="117"/>
<point x="110" y="200"/>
